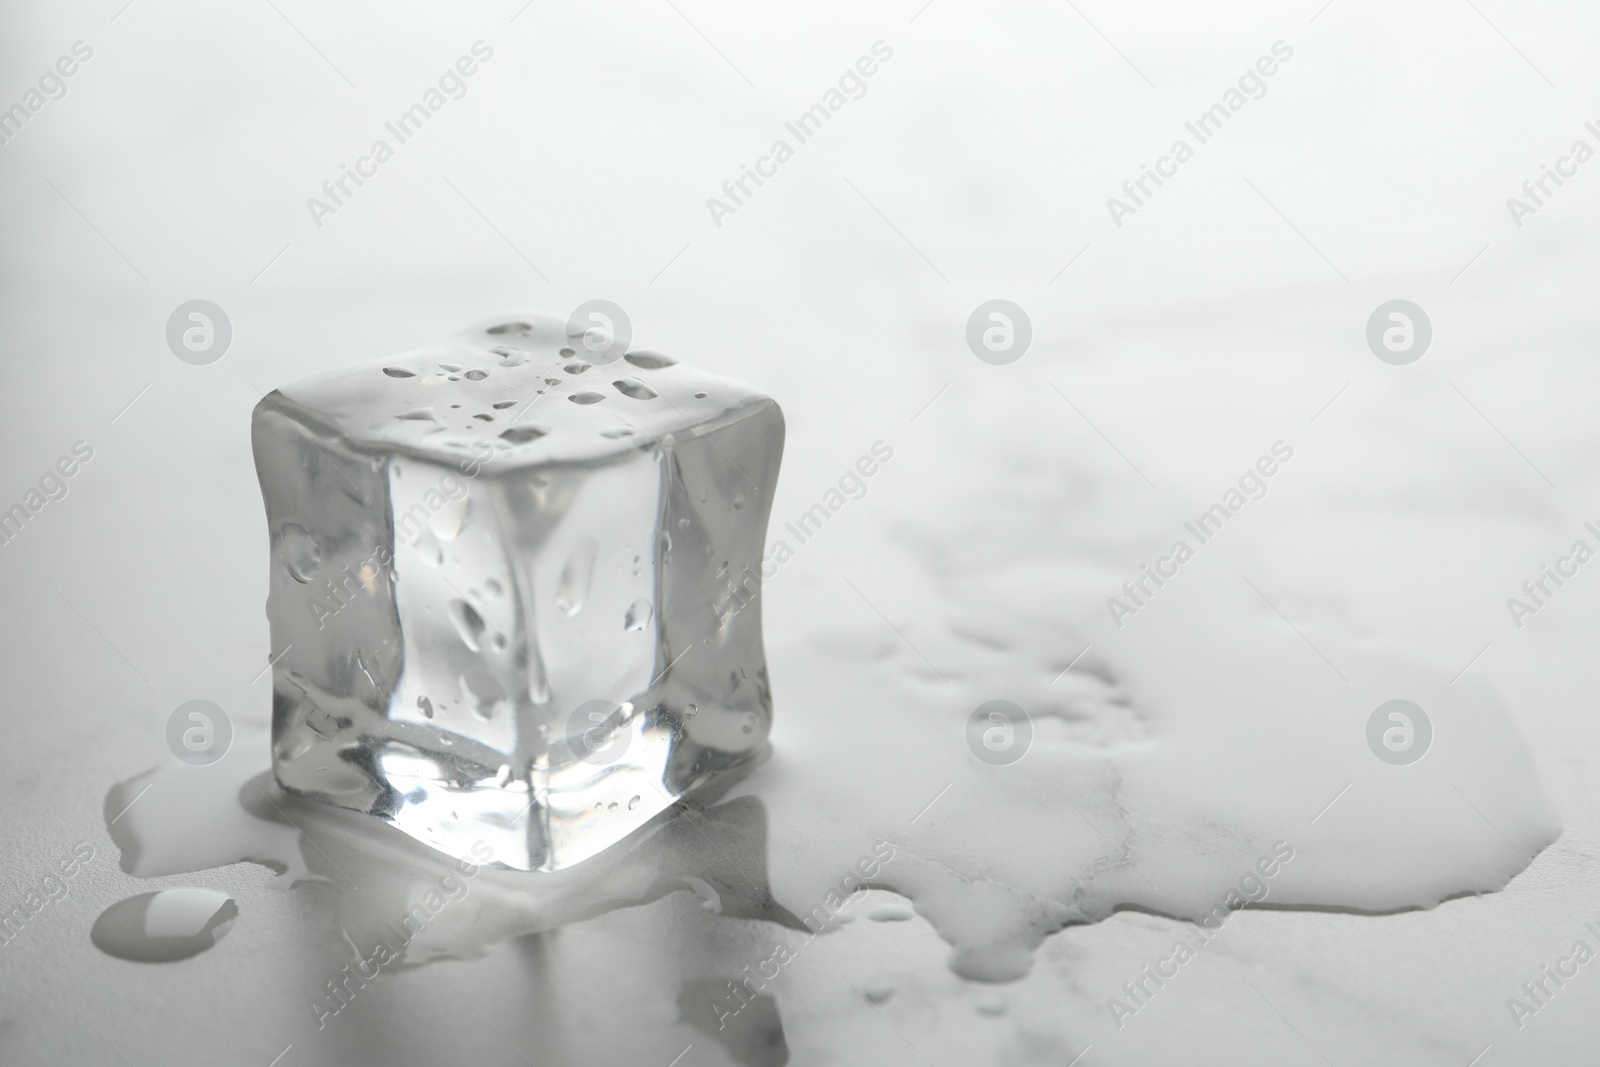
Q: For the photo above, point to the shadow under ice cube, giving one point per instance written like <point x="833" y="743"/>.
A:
<point x="515" y="596"/>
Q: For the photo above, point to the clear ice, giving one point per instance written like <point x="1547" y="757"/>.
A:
<point x="515" y="594"/>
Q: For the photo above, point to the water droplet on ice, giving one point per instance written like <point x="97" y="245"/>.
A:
<point x="738" y="501"/>
<point x="510" y="327"/>
<point x="586" y="398"/>
<point x="634" y="388"/>
<point x="482" y="692"/>
<point x="649" y="360"/>
<point x="633" y="803"/>
<point x="428" y="549"/>
<point x="638" y="615"/>
<point x="521" y="435"/>
<point x="398" y="372"/>
<point x="469" y="624"/>
<point x="477" y="375"/>
<point x="707" y="894"/>
<point x="426" y="705"/>
<point x="493" y="588"/>
<point x="448" y="522"/>
<point x="301" y="554"/>
<point x="163" y="926"/>
<point x="877" y="992"/>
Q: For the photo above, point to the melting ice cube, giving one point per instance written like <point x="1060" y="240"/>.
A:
<point x="493" y="619"/>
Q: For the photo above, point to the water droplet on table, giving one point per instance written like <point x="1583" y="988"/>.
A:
<point x="164" y="926"/>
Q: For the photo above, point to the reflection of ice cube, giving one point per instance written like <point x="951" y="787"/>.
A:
<point x="448" y="593"/>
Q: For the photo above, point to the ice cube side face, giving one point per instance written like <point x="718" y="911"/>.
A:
<point x="515" y="598"/>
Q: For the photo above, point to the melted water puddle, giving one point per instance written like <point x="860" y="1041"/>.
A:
<point x="1171" y="763"/>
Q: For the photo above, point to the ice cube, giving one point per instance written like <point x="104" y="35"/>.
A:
<point x="515" y="596"/>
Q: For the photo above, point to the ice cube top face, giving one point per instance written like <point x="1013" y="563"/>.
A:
<point x="515" y="596"/>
